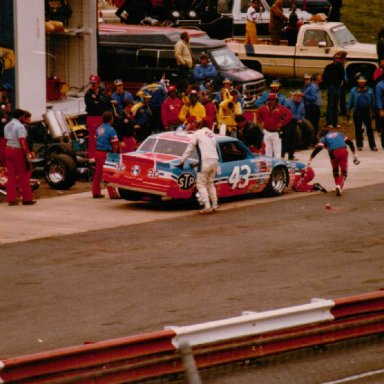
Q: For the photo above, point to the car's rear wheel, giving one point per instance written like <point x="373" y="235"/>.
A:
<point x="60" y="172"/>
<point x="278" y="181"/>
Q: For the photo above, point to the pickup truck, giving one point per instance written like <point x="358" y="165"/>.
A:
<point x="315" y="46"/>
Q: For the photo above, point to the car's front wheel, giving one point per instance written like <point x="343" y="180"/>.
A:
<point x="278" y="181"/>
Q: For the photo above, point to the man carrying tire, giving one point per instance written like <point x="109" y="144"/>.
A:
<point x="106" y="141"/>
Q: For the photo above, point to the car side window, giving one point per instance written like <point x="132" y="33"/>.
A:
<point x="232" y="151"/>
<point x="167" y="59"/>
<point x="147" y="58"/>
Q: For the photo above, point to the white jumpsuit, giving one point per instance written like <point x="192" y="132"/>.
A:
<point x="205" y="142"/>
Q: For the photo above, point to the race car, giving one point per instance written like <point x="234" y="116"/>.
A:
<point x="152" y="172"/>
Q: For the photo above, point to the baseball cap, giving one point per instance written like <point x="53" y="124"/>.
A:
<point x="226" y="81"/>
<point x="193" y="92"/>
<point x="118" y="82"/>
<point x="361" y="79"/>
<point x="307" y="76"/>
<point x="297" y="92"/>
<point x="94" y="79"/>
<point x="171" y="88"/>
<point x="275" y="83"/>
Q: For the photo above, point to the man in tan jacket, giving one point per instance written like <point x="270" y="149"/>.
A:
<point x="183" y="55"/>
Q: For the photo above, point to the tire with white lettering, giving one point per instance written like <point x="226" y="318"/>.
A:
<point x="278" y="181"/>
<point x="60" y="172"/>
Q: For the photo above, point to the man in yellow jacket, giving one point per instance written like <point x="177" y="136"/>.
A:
<point x="192" y="108"/>
<point x="228" y="110"/>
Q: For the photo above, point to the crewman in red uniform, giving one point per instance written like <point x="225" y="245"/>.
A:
<point x="17" y="160"/>
<point x="95" y="105"/>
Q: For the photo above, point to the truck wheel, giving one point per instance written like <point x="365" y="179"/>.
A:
<point x="60" y="172"/>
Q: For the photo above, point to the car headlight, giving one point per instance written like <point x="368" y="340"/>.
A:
<point x="192" y="14"/>
<point x="175" y="14"/>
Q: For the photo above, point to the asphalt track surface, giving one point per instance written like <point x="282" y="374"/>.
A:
<point x="181" y="268"/>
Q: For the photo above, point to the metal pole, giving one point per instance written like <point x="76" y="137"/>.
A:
<point x="191" y="370"/>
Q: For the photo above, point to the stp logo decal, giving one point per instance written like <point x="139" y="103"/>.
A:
<point x="120" y="168"/>
<point x="135" y="170"/>
<point x="153" y="173"/>
<point x="186" y="181"/>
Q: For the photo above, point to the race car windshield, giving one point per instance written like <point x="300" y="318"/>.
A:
<point x="167" y="147"/>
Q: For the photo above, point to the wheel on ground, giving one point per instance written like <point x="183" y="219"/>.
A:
<point x="278" y="181"/>
<point x="60" y="172"/>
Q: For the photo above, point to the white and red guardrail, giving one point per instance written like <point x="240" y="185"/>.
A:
<point x="156" y="354"/>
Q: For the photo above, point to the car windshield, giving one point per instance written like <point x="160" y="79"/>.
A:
<point x="165" y="146"/>
<point x="226" y="59"/>
<point x="343" y="36"/>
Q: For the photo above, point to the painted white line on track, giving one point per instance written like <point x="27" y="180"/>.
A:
<point x="355" y="377"/>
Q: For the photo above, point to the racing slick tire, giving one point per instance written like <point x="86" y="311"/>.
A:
<point x="278" y="181"/>
<point x="60" y="172"/>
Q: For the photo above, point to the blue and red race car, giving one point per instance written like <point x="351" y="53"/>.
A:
<point x="151" y="172"/>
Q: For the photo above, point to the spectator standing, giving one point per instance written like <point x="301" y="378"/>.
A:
<point x="313" y="102"/>
<point x="333" y="78"/>
<point x="143" y="118"/>
<point x="380" y="45"/>
<point x="157" y="90"/>
<point x="204" y="72"/>
<point x="275" y="87"/>
<point x="249" y="133"/>
<point x="95" y="105"/>
<point x="18" y="160"/>
<point x="204" y="139"/>
<point x="119" y="96"/>
<point x="106" y="142"/>
<point x="210" y="109"/>
<point x="170" y="110"/>
<point x="184" y="60"/>
<point x="5" y="117"/>
<point x="125" y="127"/>
<point x="292" y="27"/>
<point x="335" y="11"/>
<point x="193" y="108"/>
<point x="336" y="144"/>
<point x="362" y="101"/>
<point x="379" y="93"/>
<point x="276" y="21"/>
<point x="251" y="24"/>
<point x="272" y="117"/>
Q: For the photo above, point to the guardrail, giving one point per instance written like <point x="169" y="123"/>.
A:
<point x="251" y="335"/>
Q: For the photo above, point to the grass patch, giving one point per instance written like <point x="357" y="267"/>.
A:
<point x="363" y="18"/>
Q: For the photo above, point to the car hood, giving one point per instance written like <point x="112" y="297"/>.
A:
<point x="243" y="75"/>
<point x="361" y="49"/>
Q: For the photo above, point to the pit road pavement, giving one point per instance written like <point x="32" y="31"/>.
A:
<point x="96" y="270"/>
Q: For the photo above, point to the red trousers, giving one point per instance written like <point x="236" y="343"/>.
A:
<point x="339" y="161"/>
<point x="93" y="122"/>
<point x="100" y="158"/>
<point x="18" y="175"/>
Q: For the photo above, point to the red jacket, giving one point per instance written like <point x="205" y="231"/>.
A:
<point x="170" y="110"/>
<point x="273" y="120"/>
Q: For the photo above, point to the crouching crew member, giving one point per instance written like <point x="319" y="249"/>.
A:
<point x="302" y="178"/>
<point x="205" y="141"/>
<point x="106" y="141"/>
<point x="18" y="160"/>
<point x="336" y="143"/>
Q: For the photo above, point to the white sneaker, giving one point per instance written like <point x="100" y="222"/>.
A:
<point x="206" y="210"/>
<point x="338" y="190"/>
<point x="215" y="207"/>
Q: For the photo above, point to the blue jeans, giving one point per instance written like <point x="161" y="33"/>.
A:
<point x="333" y="96"/>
